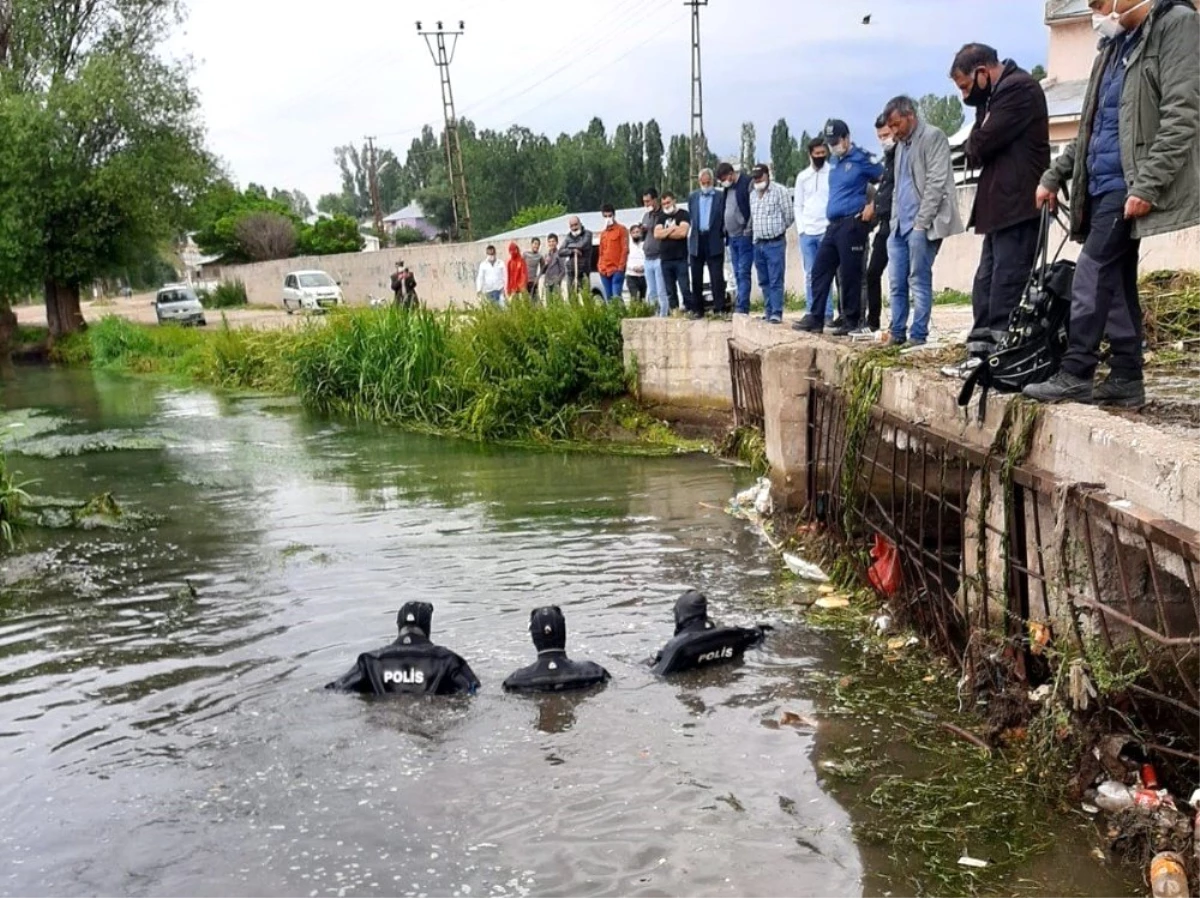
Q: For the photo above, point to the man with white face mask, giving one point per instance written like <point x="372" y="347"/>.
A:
<point x="1135" y="171"/>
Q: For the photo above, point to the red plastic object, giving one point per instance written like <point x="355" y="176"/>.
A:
<point x="1149" y="777"/>
<point x="885" y="574"/>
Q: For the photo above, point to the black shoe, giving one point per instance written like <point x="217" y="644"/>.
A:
<point x="809" y="324"/>
<point x="844" y="329"/>
<point x="1062" y="387"/>
<point x="1122" y="392"/>
<point x="838" y="323"/>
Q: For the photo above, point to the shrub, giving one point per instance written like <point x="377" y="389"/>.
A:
<point x="226" y="295"/>
<point x="406" y="237"/>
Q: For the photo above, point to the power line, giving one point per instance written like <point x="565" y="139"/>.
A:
<point x="442" y="57"/>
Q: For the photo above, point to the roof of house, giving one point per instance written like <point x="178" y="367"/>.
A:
<point x="410" y="212"/>
<point x="1057" y="10"/>
<point x="1064" y="99"/>
<point x="593" y="221"/>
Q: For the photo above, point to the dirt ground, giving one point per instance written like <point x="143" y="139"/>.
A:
<point x="140" y="308"/>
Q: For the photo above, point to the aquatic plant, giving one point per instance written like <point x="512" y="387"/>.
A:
<point x="12" y="496"/>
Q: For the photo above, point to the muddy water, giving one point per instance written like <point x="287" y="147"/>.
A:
<point x="161" y="738"/>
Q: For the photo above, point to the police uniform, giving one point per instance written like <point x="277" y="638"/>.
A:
<point x="553" y="670"/>
<point x="412" y="664"/>
<point x="699" y="642"/>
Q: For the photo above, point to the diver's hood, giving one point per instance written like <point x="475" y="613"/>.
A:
<point x="691" y="612"/>
<point x="548" y="628"/>
<point x="416" y="616"/>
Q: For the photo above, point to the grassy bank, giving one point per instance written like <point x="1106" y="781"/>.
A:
<point x="525" y="374"/>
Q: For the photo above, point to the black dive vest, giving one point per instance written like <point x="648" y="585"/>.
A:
<point x="416" y="668"/>
<point x="704" y="648"/>
<point x="555" y="672"/>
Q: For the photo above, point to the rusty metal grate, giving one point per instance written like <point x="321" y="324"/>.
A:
<point x="745" y="370"/>
<point x="988" y="546"/>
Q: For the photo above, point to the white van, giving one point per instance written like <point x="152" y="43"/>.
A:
<point x="312" y="290"/>
<point x="179" y="304"/>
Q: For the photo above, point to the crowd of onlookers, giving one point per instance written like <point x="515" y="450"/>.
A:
<point x="1134" y="172"/>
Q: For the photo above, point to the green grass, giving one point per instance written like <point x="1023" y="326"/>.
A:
<point x="12" y="497"/>
<point x="227" y="295"/>
<point x="523" y="374"/>
<point x="952" y="298"/>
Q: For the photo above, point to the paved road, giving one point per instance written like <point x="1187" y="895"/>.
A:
<point x="140" y="308"/>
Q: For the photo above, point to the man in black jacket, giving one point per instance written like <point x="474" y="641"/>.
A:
<point x="882" y="205"/>
<point x="412" y="664"/>
<point x="1010" y="143"/>
<point x="739" y="234"/>
<point x="699" y="642"/>
<point x="553" y="671"/>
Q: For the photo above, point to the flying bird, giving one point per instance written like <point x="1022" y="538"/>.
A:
<point x="867" y="19"/>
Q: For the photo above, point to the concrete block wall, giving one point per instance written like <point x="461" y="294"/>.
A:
<point x="680" y="362"/>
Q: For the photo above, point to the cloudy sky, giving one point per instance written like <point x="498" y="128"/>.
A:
<point x="284" y="81"/>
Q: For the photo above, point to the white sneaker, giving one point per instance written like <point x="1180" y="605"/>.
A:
<point x="963" y="369"/>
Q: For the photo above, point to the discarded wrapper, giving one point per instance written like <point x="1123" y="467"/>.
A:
<point x="828" y="602"/>
<point x="965" y="861"/>
<point x="805" y="570"/>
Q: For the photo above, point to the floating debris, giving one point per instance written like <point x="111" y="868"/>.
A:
<point x="805" y="570"/>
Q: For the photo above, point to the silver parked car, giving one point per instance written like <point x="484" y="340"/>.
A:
<point x="179" y="304"/>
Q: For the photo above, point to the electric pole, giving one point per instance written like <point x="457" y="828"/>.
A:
<point x="373" y="176"/>
<point x="699" y="144"/>
<point x="437" y="44"/>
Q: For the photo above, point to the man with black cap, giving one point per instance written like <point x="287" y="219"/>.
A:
<point x="699" y="642"/>
<point x="844" y="246"/>
<point x="553" y="671"/>
<point x="412" y="664"/>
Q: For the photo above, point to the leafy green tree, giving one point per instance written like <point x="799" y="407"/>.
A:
<point x="654" y="156"/>
<point x="531" y="215"/>
<point x="786" y="158"/>
<point x="749" y="149"/>
<point x="407" y="237"/>
<point x="1038" y="73"/>
<point x="679" y="166"/>
<point x="221" y="233"/>
<point x="334" y="204"/>
<point x="295" y="200"/>
<point x="327" y="236"/>
<point x="942" y="112"/>
<point x="101" y="151"/>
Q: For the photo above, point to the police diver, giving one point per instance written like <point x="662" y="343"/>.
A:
<point x="553" y="671"/>
<point x="412" y="664"/>
<point x="699" y="642"/>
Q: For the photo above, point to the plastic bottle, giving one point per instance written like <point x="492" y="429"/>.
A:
<point x="1167" y="879"/>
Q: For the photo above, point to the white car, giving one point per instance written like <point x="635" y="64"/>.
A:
<point x="179" y="304"/>
<point x="312" y="290"/>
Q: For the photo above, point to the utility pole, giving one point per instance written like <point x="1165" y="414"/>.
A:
<point x="436" y="42"/>
<point x="699" y="144"/>
<point x="373" y="181"/>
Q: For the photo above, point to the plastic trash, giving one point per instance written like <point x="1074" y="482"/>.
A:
<point x="1167" y="877"/>
<point x="830" y="602"/>
<point x="882" y="623"/>
<point x="1114" y="796"/>
<point x="966" y="861"/>
<point x="885" y="574"/>
<point x="805" y="570"/>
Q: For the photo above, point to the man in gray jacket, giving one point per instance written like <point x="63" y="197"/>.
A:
<point x="1135" y="170"/>
<point x="924" y="213"/>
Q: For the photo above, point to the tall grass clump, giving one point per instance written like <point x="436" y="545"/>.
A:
<point x="226" y="295"/>
<point x="524" y="373"/>
<point x="11" y="498"/>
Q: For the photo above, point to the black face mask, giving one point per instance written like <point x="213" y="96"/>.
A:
<point x="818" y="162"/>
<point x="979" y="95"/>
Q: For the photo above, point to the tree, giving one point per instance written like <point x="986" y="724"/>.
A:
<point x="787" y="160"/>
<point x="654" y="156"/>
<point x="327" y="236"/>
<point x="101" y="152"/>
<point x="217" y="227"/>
<point x="407" y="237"/>
<point x="749" y="149"/>
<point x="531" y="215"/>
<point x="1038" y="73"/>
<point x="679" y="166"/>
<point x="334" y="204"/>
<point x="942" y="112"/>
<point x="263" y="236"/>
<point x="355" y="189"/>
<point x="294" y="200"/>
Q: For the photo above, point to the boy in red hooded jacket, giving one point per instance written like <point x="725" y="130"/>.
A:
<point x="518" y="272"/>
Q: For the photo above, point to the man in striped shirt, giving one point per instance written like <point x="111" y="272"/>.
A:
<point x="771" y="214"/>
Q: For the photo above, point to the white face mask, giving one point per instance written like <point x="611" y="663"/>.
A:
<point x="609" y="222"/>
<point x="889" y="143"/>
<point x="760" y="186"/>
<point x="670" y="210"/>
<point x="1110" y="26"/>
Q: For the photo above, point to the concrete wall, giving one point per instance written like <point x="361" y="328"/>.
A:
<point x="1072" y="49"/>
<point x="680" y="362"/>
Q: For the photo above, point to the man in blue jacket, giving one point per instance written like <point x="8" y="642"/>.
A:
<point x="739" y="233"/>
<point x="706" y="244"/>
<point x="844" y="245"/>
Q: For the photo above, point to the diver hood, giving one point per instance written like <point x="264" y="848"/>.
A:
<point x="691" y="612"/>
<point x="548" y="628"/>
<point x="415" y="616"/>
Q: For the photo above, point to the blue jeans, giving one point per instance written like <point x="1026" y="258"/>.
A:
<point x="770" y="259"/>
<point x="656" y="289"/>
<point x="808" y="252"/>
<point x="496" y="297"/>
<point x="612" y="285"/>
<point x="910" y="270"/>
<point x="741" y="257"/>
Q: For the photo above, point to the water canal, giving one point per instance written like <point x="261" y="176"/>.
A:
<point x="162" y="724"/>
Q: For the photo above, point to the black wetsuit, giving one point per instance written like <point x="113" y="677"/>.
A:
<point x="698" y="642"/>
<point x="553" y="671"/>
